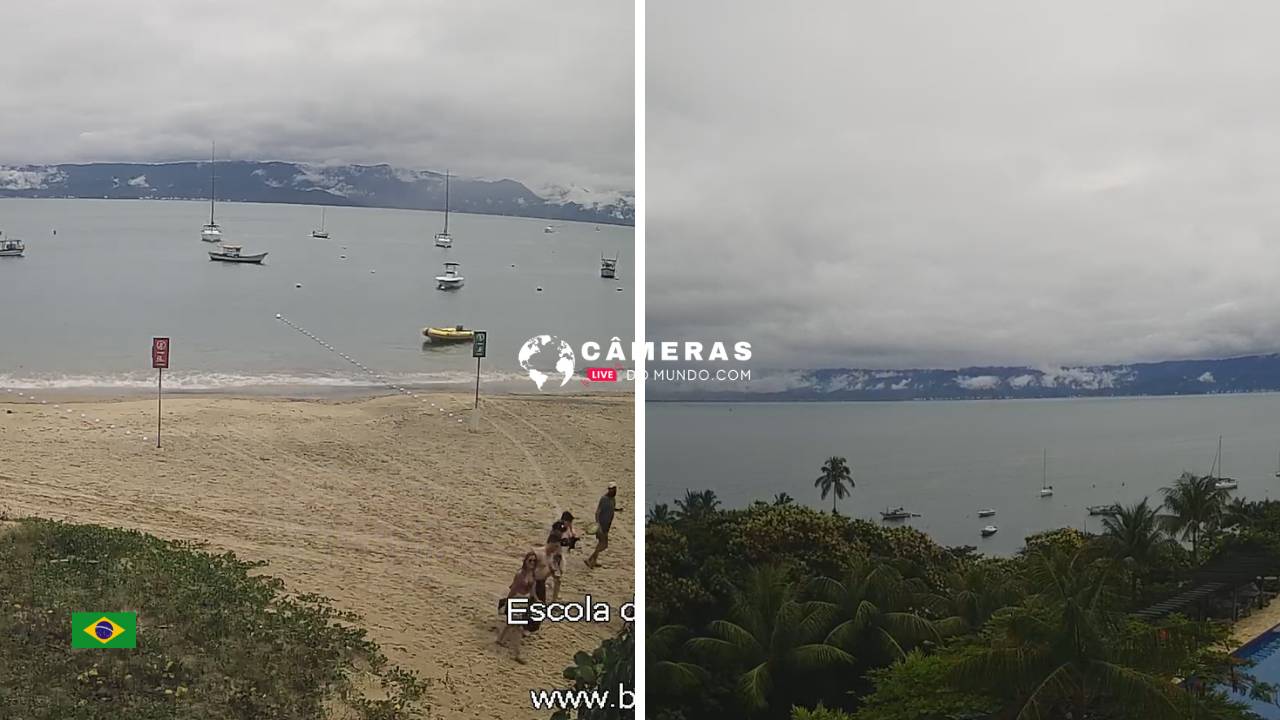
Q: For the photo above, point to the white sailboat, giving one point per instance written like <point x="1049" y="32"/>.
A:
<point x="211" y="232"/>
<point x="1045" y="488"/>
<point x="321" y="233"/>
<point x="443" y="238"/>
<point x="1221" y="483"/>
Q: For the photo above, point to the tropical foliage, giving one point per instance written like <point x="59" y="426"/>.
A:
<point x="782" y="611"/>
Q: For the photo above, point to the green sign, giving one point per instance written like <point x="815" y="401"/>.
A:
<point x="478" y="341"/>
<point x="104" y="630"/>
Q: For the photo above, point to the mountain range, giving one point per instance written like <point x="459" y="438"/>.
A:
<point x="300" y="183"/>
<point x="1253" y="373"/>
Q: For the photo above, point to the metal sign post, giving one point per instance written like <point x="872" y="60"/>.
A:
<point x="478" y="342"/>
<point x="159" y="361"/>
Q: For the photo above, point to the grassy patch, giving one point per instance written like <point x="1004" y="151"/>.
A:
<point x="214" y="639"/>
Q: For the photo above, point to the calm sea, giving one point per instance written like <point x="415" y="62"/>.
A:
<point x="79" y="311"/>
<point x="946" y="460"/>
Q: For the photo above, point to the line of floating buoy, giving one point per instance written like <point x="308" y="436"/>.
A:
<point x="382" y="379"/>
<point x="91" y="423"/>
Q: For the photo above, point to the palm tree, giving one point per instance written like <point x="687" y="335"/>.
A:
<point x="1133" y="537"/>
<point x="782" y="499"/>
<point x="660" y="514"/>
<point x="975" y="595"/>
<point x="1059" y="655"/>
<point x="1195" y="506"/>
<point x="669" y="675"/>
<point x="775" y="640"/>
<point x="697" y="505"/>
<point x="876" y="611"/>
<point x="835" y="475"/>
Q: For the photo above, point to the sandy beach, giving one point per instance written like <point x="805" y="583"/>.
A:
<point x="389" y="505"/>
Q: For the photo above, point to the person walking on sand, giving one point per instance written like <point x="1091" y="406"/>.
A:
<point x="521" y="587"/>
<point x="549" y="565"/>
<point x="604" y="520"/>
<point x="568" y="540"/>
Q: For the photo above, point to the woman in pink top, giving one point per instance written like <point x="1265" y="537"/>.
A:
<point x="522" y="586"/>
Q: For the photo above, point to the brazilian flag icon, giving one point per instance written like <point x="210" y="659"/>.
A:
<point x="104" y="630"/>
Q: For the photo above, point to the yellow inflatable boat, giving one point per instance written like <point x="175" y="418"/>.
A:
<point x="453" y="334"/>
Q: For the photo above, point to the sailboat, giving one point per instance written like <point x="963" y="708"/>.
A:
<point x="1222" y="483"/>
<point x="211" y="232"/>
<point x="443" y="238"/>
<point x="1045" y="488"/>
<point x="321" y="233"/>
<point x="1278" y="466"/>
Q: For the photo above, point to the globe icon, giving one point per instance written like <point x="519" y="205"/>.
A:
<point x="544" y="355"/>
<point x="104" y="630"/>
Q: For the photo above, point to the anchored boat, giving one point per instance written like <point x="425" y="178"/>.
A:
<point x="12" y="247"/>
<point x="232" y="253"/>
<point x="450" y="280"/>
<point x="211" y="232"/>
<point x="608" y="267"/>
<point x="897" y="514"/>
<point x="1105" y="510"/>
<point x="443" y="238"/>
<point x="989" y="530"/>
<point x="1222" y="483"/>
<point x="456" y="333"/>
<point x="321" y="233"/>
<point x="987" y="512"/>
<point x="1045" y="488"/>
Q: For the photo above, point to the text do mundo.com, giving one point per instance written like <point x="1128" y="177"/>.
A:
<point x="524" y="611"/>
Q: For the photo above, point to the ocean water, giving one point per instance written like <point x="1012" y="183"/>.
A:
<point x="79" y="311"/>
<point x="947" y="460"/>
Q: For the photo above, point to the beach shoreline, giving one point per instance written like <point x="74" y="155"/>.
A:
<point x="394" y="506"/>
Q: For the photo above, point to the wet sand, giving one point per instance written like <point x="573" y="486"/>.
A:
<point x="388" y="505"/>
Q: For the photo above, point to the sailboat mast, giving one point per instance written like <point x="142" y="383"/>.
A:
<point x="1044" y="470"/>
<point x="1219" y="456"/>
<point x="446" y="202"/>
<point x="321" y="219"/>
<point x="213" y="179"/>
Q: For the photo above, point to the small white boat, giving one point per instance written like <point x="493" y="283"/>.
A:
<point x="232" y="253"/>
<point x="1045" y="488"/>
<point x="12" y="247"/>
<point x="548" y="229"/>
<point x="608" y="267"/>
<point x="986" y="512"/>
<point x="211" y="232"/>
<point x="321" y="233"/>
<point x="1105" y="510"/>
<point x="1221" y="483"/>
<point x="989" y="530"/>
<point x="450" y="280"/>
<point x="899" y="513"/>
<point x="443" y="238"/>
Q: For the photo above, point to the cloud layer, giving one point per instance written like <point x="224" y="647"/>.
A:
<point x="919" y="184"/>
<point x="541" y="93"/>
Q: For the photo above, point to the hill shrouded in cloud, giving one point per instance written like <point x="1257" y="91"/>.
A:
<point x="283" y="182"/>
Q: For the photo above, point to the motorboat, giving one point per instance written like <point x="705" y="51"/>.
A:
<point x="990" y="530"/>
<point x="443" y="238"/>
<point x="1105" y="510"/>
<point x="11" y="247"/>
<point x="548" y="229"/>
<point x="986" y="512"/>
<point x="211" y="232"/>
<point x="450" y="280"/>
<point x="456" y="333"/>
<point x="232" y="253"/>
<point x="608" y="267"/>
<point x="321" y="233"/>
<point x="1226" y="484"/>
<point x="896" y="514"/>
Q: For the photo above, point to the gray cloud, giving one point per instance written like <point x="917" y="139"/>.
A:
<point x="542" y="93"/>
<point x="917" y="184"/>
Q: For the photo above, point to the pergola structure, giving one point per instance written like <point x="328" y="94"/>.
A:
<point x="1238" y="572"/>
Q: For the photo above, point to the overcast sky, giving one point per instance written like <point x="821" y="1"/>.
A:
<point x="539" y="92"/>
<point x="901" y="184"/>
